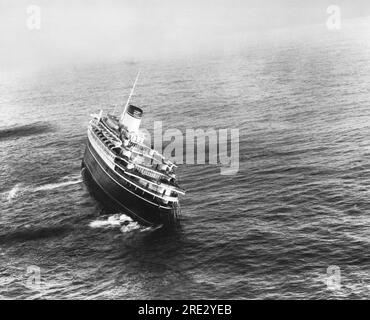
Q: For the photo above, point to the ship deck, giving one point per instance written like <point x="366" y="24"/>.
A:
<point x="109" y="152"/>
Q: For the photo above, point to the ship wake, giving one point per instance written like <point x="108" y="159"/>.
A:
<point x="64" y="182"/>
<point x="12" y="193"/>
<point x="19" y="189"/>
<point x="25" y="130"/>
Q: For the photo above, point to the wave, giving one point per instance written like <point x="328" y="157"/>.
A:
<point x="119" y="220"/>
<point x="25" y="130"/>
<point x="130" y="227"/>
<point x="29" y="233"/>
<point x="52" y="186"/>
<point x="20" y="188"/>
<point x="14" y="192"/>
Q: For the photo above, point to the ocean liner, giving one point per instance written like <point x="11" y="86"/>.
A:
<point x="137" y="179"/>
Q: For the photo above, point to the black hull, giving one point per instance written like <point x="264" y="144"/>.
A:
<point x="123" y="196"/>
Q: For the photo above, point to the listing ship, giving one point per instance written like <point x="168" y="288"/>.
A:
<point x="137" y="179"/>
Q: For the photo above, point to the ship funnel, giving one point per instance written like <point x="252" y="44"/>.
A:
<point x="131" y="118"/>
<point x="131" y="115"/>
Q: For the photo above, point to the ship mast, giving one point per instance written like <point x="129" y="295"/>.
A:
<point x="129" y="97"/>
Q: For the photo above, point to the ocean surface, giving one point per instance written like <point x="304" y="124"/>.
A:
<point x="299" y="204"/>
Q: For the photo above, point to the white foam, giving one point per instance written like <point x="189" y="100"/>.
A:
<point x="114" y="220"/>
<point x="19" y="188"/>
<point x="121" y="221"/>
<point x="130" y="227"/>
<point x="124" y="218"/>
<point x="72" y="177"/>
<point x="12" y="193"/>
<point x="98" y="224"/>
<point x="147" y="229"/>
<point x="151" y="228"/>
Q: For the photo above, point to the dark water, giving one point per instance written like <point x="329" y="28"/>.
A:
<point x="299" y="203"/>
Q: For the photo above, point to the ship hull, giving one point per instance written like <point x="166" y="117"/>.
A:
<point x="108" y="182"/>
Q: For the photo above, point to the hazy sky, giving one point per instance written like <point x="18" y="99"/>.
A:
<point x="88" y="30"/>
